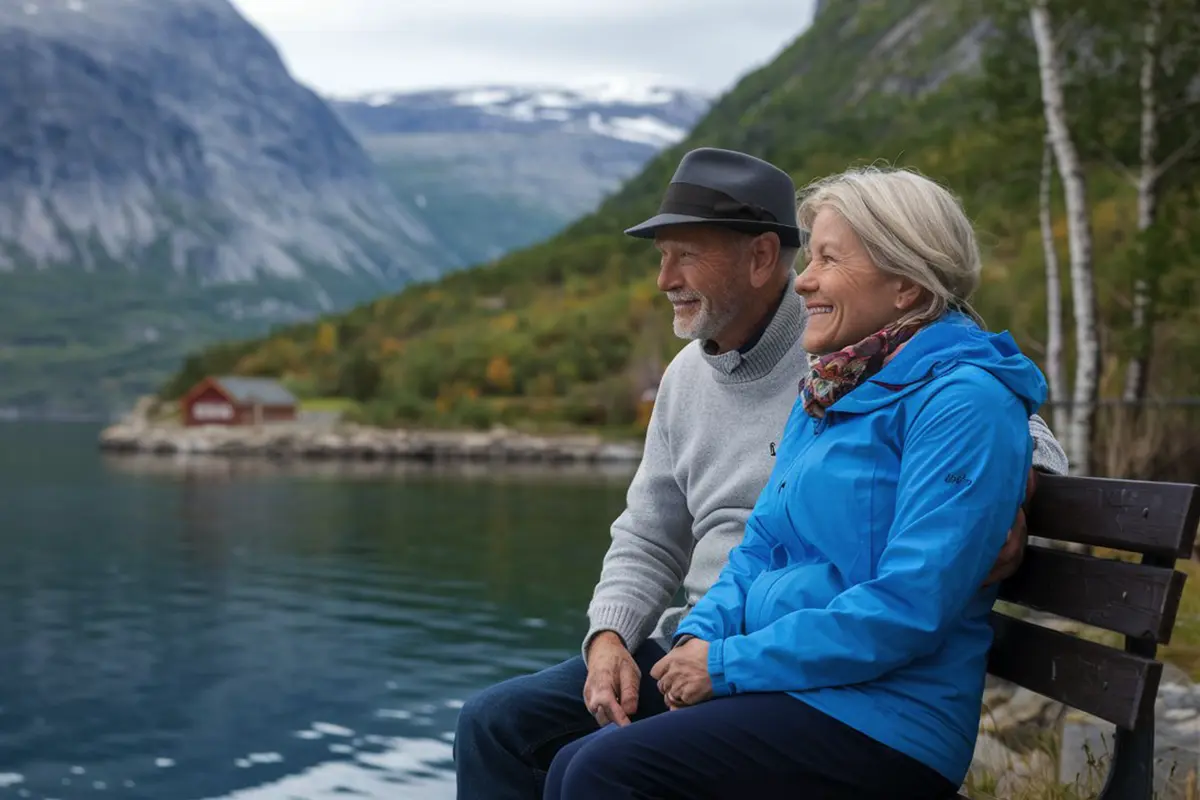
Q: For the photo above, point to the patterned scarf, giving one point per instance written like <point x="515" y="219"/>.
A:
<point x="834" y="375"/>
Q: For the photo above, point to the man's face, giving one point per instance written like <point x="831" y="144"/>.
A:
<point x="702" y="273"/>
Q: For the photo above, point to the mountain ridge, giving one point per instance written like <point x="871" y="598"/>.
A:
<point x="167" y="182"/>
<point x="648" y="114"/>
<point x="250" y="150"/>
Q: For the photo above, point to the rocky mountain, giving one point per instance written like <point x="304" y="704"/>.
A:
<point x="495" y="168"/>
<point x="164" y="180"/>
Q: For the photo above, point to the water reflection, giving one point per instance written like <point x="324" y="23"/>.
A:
<point x="208" y="628"/>
<point x="201" y="465"/>
<point x="414" y="769"/>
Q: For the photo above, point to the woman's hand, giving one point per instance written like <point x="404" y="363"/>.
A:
<point x="682" y="675"/>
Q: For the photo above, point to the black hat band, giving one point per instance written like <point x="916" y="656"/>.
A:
<point x="701" y="201"/>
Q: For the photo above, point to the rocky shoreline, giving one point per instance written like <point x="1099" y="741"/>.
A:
<point x="1027" y="741"/>
<point x="307" y="440"/>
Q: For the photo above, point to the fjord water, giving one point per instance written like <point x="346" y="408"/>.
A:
<point x="213" y="629"/>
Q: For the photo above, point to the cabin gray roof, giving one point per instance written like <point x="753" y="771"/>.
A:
<point x="256" y="390"/>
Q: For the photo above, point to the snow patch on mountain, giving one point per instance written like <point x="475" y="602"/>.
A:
<point x="649" y="115"/>
<point x="644" y="130"/>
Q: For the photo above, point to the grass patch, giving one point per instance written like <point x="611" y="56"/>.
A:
<point x="341" y="405"/>
<point x="1184" y="649"/>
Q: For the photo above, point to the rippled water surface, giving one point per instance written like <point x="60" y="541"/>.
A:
<point x="203" y="629"/>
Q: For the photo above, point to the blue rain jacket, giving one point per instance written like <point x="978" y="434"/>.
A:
<point x="857" y="586"/>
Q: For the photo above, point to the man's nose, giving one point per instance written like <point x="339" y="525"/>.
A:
<point x="668" y="276"/>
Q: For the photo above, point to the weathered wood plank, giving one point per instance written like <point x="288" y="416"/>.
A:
<point x="1139" y="516"/>
<point x="1130" y="599"/>
<point x="1110" y="684"/>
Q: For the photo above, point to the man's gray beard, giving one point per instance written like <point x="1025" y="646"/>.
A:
<point x="705" y="324"/>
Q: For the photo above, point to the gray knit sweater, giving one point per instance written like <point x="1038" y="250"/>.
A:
<point x="708" y="453"/>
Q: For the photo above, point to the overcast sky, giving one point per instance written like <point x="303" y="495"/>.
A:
<point x="353" y="46"/>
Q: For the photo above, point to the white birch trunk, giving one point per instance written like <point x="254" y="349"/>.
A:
<point x="1054" y="336"/>
<point x="1147" y="190"/>
<point x="1087" y="345"/>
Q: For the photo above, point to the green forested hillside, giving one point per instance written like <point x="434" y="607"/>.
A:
<point x="571" y="331"/>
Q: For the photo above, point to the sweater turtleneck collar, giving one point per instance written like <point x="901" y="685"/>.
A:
<point x="780" y="335"/>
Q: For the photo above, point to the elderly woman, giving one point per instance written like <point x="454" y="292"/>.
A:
<point x="842" y="653"/>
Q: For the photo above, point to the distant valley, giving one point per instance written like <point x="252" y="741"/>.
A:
<point x="495" y="168"/>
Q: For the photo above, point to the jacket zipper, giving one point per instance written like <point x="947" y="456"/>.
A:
<point x="791" y="468"/>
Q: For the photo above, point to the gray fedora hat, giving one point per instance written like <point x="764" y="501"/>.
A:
<point x="731" y="189"/>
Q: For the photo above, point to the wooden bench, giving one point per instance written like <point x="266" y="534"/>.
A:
<point x="1136" y="599"/>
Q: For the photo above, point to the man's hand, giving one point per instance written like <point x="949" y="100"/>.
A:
<point x="682" y="675"/>
<point x="611" y="690"/>
<point x="1013" y="551"/>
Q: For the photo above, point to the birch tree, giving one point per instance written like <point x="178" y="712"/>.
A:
<point x="1135" y="374"/>
<point x="1082" y="414"/>
<point x="1055" y="376"/>
<point x="1132" y="69"/>
<point x="1148" y="181"/>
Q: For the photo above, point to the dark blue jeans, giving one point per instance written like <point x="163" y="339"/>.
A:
<point x="508" y="734"/>
<point x="764" y="746"/>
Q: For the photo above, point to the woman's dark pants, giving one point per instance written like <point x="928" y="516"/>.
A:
<point x="761" y="746"/>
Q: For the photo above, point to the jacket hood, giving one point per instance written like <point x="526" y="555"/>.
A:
<point x="951" y="341"/>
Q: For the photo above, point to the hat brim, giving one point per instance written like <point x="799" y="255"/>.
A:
<point x="789" y="235"/>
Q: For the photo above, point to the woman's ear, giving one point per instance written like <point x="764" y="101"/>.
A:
<point x="908" y="292"/>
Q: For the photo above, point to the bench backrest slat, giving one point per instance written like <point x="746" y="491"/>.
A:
<point x="1138" y="516"/>
<point x="1130" y="599"/>
<point x="1107" y="683"/>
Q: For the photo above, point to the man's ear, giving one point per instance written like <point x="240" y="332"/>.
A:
<point x="764" y="253"/>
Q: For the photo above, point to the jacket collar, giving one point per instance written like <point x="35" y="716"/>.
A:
<point x="947" y="342"/>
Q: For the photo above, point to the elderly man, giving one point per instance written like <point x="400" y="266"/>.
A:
<point x="728" y="241"/>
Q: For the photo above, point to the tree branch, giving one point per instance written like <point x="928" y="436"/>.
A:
<point x="1169" y="111"/>
<point x="1174" y="158"/>
<point x="1120" y="168"/>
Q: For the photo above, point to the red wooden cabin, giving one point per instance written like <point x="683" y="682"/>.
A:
<point x="237" y="401"/>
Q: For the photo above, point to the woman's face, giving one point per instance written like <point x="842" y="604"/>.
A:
<point x="848" y="297"/>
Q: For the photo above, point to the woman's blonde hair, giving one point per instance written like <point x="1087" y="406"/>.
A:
<point x="911" y="227"/>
